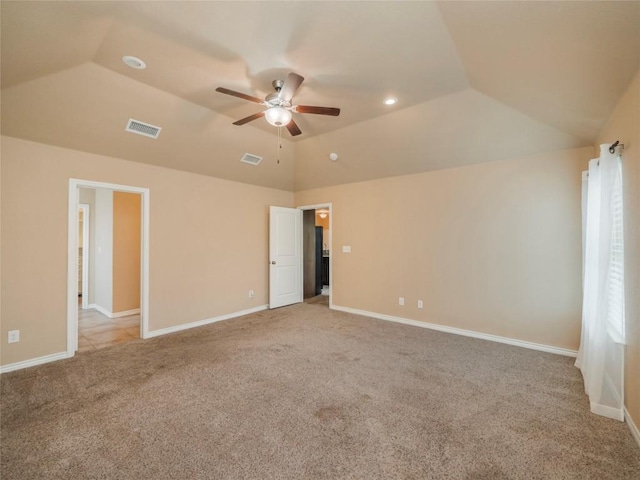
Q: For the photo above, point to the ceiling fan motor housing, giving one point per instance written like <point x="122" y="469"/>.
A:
<point x="275" y="101"/>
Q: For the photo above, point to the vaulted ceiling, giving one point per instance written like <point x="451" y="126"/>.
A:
<point x="488" y="80"/>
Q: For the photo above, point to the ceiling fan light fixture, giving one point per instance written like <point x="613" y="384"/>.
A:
<point x="278" y="116"/>
<point x="390" y="101"/>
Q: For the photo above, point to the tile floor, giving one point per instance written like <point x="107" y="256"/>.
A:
<point x="318" y="300"/>
<point x="96" y="330"/>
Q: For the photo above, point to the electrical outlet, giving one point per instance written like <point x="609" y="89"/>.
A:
<point x="251" y="293"/>
<point x="14" y="336"/>
<point x="401" y="301"/>
<point x="420" y="304"/>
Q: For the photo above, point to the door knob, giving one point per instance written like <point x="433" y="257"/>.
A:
<point x="273" y="262"/>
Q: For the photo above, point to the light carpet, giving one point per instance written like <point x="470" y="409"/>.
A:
<point x="304" y="392"/>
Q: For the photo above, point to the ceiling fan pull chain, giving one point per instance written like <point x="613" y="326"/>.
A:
<point x="279" y="143"/>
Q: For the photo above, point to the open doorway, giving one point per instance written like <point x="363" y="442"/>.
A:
<point x="110" y="246"/>
<point x="110" y="307"/>
<point x="316" y="233"/>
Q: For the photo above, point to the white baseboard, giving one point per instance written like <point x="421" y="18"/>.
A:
<point x="155" y="333"/>
<point x="125" y="313"/>
<point x="109" y="314"/>
<point x="632" y="426"/>
<point x="459" y="331"/>
<point x="605" y="411"/>
<point x="34" y="361"/>
<point x="206" y="321"/>
<point x="102" y="310"/>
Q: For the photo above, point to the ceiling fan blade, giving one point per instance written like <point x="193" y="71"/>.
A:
<point x="290" y="87"/>
<point x="318" y="110"/>
<point x="250" y="118"/>
<point x="293" y="128"/>
<point x="239" y="95"/>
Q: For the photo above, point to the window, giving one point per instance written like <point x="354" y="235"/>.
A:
<point x="615" y="277"/>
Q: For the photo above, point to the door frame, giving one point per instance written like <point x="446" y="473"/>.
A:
<point x="86" y="252"/>
<point x="72" y="257"/>
<point x="327" y="206"/>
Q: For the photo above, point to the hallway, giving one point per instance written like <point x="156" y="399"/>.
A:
<point x="96" y="330"/>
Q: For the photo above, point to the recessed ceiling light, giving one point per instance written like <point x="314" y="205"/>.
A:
<point x="390" y="101"/>
<point x="134" y="62"/>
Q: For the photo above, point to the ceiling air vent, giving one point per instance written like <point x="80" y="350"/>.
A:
<point x="251" y="159"/>
<point x="141" y="128"/>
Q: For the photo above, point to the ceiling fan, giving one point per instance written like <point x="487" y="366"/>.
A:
<point x="279" y="107"/>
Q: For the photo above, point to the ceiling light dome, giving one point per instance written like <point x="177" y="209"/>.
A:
<point x="278" y="116"/>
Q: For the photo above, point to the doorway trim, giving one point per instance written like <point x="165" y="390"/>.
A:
<point x="86" y="252"/>
<point x="328" y="206"/>
<point x="72" y="257"/>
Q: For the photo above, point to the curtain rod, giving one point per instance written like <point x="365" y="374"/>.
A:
<point x="612" y="148"/>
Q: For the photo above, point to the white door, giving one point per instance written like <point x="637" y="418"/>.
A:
<point x="285" y="256"/>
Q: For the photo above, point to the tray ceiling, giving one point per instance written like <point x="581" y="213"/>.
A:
<point x="562" y="65"/>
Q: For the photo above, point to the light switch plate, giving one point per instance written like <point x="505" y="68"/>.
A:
<point x="346" y="249"/>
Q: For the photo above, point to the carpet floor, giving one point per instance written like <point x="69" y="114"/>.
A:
<point x="305" y="392"/>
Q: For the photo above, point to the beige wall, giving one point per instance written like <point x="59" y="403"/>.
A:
<point x="126" y="251"/>
<point x="208" y="242"/>
<point x="326" y="237"/>
<point x="624" y="125"/>
<point x="492" y="248"/>
<point x="322" y="222"/>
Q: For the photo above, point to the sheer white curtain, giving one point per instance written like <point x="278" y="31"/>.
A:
<point x="601" y="354"/>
